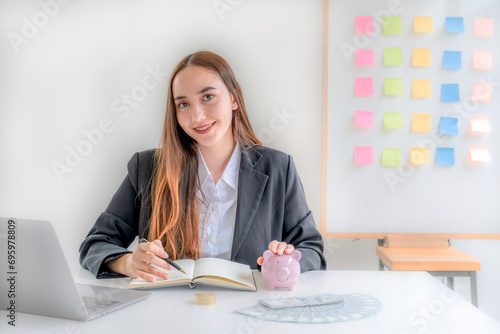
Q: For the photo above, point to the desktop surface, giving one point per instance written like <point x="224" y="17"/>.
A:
<point x="412" y="302"/>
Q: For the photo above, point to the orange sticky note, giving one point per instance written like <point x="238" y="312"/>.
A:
<point x="482" y="60"/>
<point x="481" y="92"/>
<point x="421" y="123"/>
<point x="420" y="88"/>
<point x="483" y="28"/>
<point x="422" y="24"/>
<point x="479" y="124"/>
<point x="421" y="57"/>
<point x="420" y="155"/>
<point x="479" y="153"/>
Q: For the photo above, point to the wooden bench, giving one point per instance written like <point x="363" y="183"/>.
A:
<point x="415" y="252"/>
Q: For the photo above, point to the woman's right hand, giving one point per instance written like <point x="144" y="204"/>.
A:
<point x="139" y="263"/>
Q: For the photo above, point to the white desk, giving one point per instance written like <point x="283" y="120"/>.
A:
<point x="413" y="302"/>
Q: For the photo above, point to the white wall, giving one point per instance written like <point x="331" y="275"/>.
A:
<point x="77" y="77"/>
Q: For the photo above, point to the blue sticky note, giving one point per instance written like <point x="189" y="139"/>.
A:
<point x="445" y="156"/>
<point x="455" y="24"/>
<point x="452" y="59"/>
<point x="448" y="126"/>
<point x="449" y="93"/>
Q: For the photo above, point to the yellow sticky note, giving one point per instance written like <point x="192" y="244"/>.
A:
<point x="421" y="123"/>
<point x="420" y="155"/>
<point x="421" y="57"/>
<point x="479" y="124"/>
<point x="479" y="153"/>
<point x="422" y="24"/>
<point x="481" y="92"/>
<point x="420" y="88"/>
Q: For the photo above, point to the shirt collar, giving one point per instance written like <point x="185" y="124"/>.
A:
<point x="230" y="174"/>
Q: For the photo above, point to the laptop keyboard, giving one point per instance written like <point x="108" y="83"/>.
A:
<point x="95" y="305"/>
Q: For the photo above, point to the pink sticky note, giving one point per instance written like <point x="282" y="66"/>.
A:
<point x="363" y="86"/>
<point x="482" y="60"/>
<point x="363" y="155"/>
<point x="365" y="57"/>
<point x="479" y="124"/>
<point x="363" y="25"/>
<point x="481" y="92"/>
<point x="479" y="153"/>
<point x="483" y="28"/>
<point x="363" y="119"/>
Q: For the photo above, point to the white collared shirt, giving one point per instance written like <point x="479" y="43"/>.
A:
<point x="217" y="203"/>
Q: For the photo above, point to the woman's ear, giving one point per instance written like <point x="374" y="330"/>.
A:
<point x="235" y="104"/>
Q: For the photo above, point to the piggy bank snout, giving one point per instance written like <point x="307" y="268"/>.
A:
<point x="282" y="273"/>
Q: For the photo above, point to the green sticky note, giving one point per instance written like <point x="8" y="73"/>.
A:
<point x="393" y="57"/>
<point x="393" y="86"/>
<point x="392" y="25"/>
<point x="393" y="120"/>
<point x="391" y="157"/>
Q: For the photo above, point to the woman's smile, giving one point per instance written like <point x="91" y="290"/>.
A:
<point x="204" y="128"/>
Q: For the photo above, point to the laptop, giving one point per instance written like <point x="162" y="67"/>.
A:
<point x="36" y="278"/>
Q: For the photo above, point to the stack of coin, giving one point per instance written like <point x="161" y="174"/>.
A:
<point x="204" y="298"/>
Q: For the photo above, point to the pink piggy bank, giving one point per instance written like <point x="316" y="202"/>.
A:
<point x="281" y="271"/>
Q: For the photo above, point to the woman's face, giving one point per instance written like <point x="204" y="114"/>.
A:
<point x="204" y="107"/>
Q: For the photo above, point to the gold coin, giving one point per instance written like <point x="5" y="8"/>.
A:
<point x="204" y="298"/>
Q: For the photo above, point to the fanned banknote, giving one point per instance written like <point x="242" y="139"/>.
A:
<point x="315" y="309"/>
<point x="277" y="303"/>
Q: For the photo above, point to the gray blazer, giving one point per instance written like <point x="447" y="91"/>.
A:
<point x="271" y="205"/>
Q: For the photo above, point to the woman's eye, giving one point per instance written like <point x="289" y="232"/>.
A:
<point x="208" y="97"/>
<point x="182" y="105"/>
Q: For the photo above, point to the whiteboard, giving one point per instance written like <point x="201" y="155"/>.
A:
<point x="371" y="198"/>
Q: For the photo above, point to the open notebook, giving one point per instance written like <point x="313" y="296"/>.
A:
<point x="209" y="271"/>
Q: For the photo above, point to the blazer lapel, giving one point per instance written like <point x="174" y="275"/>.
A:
<point x="251" y="185"/>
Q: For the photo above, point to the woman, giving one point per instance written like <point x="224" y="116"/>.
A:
<point x="211" y="189"/>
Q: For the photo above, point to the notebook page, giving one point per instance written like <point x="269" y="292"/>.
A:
<point x="223" y="268"/>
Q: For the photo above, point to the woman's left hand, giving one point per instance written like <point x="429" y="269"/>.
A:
<point x="278" y="248"/>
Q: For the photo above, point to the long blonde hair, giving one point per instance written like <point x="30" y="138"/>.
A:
<point x="174" y="204"/>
